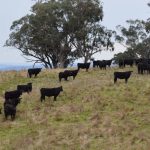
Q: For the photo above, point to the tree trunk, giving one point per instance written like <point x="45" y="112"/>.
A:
<point x="86" y="59"/>
<point x="61" y="64"/>
<point x="54" y="62"/>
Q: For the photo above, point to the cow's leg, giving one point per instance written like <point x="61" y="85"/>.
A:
<point x="115" y="79"/>
<point x="42" y="98"/>
<point x="55" y="97"/>
<point x="141" y="71"/>
<point x="126" y="80"/>
<point x="59" y="79"/>
<point x="66" y="78"/>
<point x="12" y="117"/>
<point x="30" y="75"/>
<point x="6" y="116"/>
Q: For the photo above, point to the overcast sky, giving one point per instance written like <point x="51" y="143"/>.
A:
<point x="115" y="12"/>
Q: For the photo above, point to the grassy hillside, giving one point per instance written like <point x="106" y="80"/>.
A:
<point x="91" y="114"/>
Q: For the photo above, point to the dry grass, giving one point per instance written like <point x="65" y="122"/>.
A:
<point x="91" y="114"/>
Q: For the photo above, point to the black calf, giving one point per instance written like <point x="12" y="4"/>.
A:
<point x="83" y="66"/>
<point x="128" y="62"/>
<point x="95" y="63"/>
<point x="63" y="75"/>
<point x="121" y="63"/>
<point x="68" y="73"/>
<point x="34" y="71"/>
<point x="142" y="67"/>
<point x="108" y="62"/>
<point x="102" y="64"/>
<point x="12" y="94"/>
<point x="9" y="110"/>
<point x="122" y="75"/>
<point x="25" y="88"/>
<point x="72" y="73"/>
<point x="50" y="92"/>
<point x="14" y="101"/>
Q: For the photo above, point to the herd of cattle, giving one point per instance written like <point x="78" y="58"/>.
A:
<point x="12" y="98"/>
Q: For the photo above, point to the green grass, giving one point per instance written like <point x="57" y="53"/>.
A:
<point x="90" y="114"/>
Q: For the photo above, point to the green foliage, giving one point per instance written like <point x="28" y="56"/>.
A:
<point x="57" y="32"/>
<point x="129" y="54"/>
<point x="91" y="37"/>
<point x="135" y="37"/>
<point x="133" y="34"/>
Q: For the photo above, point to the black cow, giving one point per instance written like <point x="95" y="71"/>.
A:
<point x="83" y="66"/>
<point x="102" y="64"/>
<point x="12" y="94"/>
<point x="34" y="71"/>
<point x="9" y="110"/>
<point x="121" y="63"/>
<point x="142" y="67"/>
<point x="95" y="63"/>
<point x="68" y="73"/>
<point x="63" y="75"/>
<point x="14" y="101"/>
<point x="137" y="61"/>
<point x="25" y="88"/>
<point x="122" y="75"/>
<point x="108" y="62"/>
<point x="50" y="92"/>
<point x="72" y="73"/>
<point x="124" y="62"/>
<point x="128" y="62"/>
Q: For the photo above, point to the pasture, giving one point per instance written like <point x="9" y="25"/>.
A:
<point x="92" y="113"/>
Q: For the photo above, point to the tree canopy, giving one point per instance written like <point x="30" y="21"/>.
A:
<point x="135" y="36"/>
<point x="58" y="32"/>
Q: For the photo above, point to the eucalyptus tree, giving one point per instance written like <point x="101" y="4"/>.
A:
<point x="135" y="37"/>
<point x="59" y="31"/>
<point x="90" y="37"/>
<point x="42" y="36"/>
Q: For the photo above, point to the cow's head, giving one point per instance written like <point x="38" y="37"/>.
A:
<point x="20" y="92"/>
<point x="61" y="88"/>
<point x="19" y="99"/>
<point x="30" y="84"/>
